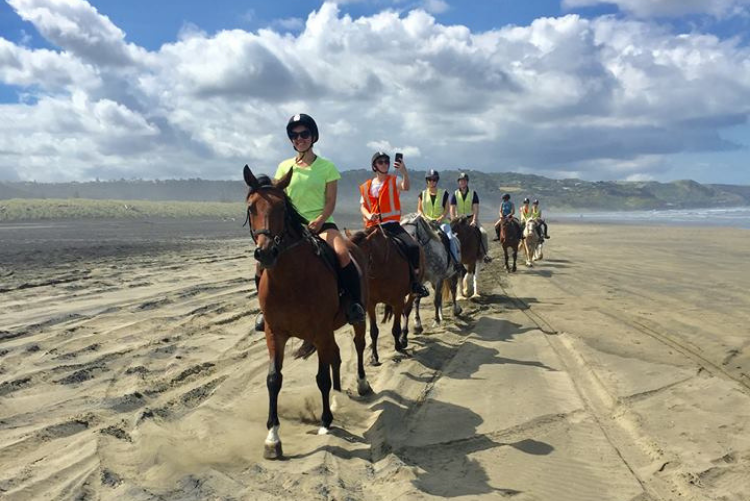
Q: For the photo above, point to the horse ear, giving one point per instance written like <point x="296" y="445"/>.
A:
<point x="284" y="181"/>
<point x="348" y="233"/>
<point x="250" y="179"/>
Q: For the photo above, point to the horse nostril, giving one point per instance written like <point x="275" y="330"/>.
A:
<point x="256" y="254"/>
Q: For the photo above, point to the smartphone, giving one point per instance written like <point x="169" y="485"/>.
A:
<point x="399" y="157"/>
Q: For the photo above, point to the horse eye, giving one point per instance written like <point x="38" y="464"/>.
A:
<point x="251" y="208"/>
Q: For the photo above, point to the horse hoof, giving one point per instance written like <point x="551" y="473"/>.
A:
<point x="323" y="430"/>
<point x="475" y="296"/>
<point x="273" y="451"/>
<point x="418" y="329"/>
<point x="364" y="388"/>
<point x="374" y="362"/>
<point x="404" y="343"/>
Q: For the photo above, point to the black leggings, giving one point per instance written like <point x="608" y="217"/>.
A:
<point x="397" y="231"/>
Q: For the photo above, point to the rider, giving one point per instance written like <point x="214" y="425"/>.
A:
<point x="465" y="202"/>
<point x="380" y="203"/>
<point x="508" y="212"/>
<point x="433" y="206"/>
<point x="536" y="213"/>
<point x="313" y="192"/>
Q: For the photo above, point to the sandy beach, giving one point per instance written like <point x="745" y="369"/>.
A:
<point x="616" y="369"/>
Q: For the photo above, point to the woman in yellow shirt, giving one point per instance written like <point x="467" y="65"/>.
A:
<point x="313" y="191"/>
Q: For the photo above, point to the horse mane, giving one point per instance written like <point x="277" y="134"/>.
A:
<point x="360" y="236"/>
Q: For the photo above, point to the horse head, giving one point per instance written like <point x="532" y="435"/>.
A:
<point x="272" y="217"/>
<point x="530" y="229"/>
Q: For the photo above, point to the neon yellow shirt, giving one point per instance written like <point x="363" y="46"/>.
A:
<point x="307" y="188"/>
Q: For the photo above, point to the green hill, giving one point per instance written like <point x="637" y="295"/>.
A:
<point x="556" y="194"/>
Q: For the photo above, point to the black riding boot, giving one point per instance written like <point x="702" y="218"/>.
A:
<point x="416" y="287"/>
<point x="545" y="230"/>
<point x="260" y="323"/>
<point x="350" y="281"/>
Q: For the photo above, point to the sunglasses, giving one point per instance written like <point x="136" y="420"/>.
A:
<point x="431" y="180"/>
<point x="382" y="161"/>
<point x="305" y="134"/>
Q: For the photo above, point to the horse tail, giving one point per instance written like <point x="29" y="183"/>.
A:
<point x="446" y="289"/>
<point x="387" y="314"/>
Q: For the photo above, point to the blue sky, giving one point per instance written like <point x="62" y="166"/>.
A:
<point x="629" y="89"/>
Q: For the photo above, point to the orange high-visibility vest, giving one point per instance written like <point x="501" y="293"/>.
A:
<point x="387" y="204"/>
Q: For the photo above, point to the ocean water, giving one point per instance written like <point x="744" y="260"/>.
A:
<point x="738" y="217"/>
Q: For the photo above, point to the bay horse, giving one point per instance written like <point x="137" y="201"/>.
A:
<point x="532" y="243"/>
<point x="509" y="239"/>
<point x="437" y="269"/>
<point x="471" y="253"/>
<point x="389" y="283"/>
<point x="298" y="293"/>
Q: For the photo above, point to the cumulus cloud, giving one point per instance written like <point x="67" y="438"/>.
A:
<point x="597" y="98"/>
<point x="670" y="8"/>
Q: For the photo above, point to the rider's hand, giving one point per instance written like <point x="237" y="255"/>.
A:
<point x="398" y="165"/>
<point x="374" y="217"/>
<point x="315" y="225"/>
<point x="473" y="222"/>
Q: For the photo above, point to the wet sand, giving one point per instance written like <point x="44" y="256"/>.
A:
<point x="615" y="369"/>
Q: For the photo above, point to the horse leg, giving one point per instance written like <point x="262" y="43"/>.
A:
<point x="456" y="307"/>
<point x="273" y="382"/>
<point x="405" y="328"/>
<point x="374" y="358"/>
<point x="396" y="329"/>
<point x="515" y="258"/>
<point x="464" y="289"/>
<point x="476" y="289"/>
<point x="363" y="387"/>
<point x="325" y="358"/>
<point x="438" y="302"/>
<point x="336" y="367"/>
<point x="418" y="329"/>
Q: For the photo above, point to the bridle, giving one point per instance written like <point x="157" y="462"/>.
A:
<point x="280" y="241"/>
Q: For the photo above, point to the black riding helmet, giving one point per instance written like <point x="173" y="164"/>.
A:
<point x="378" y="155"/>
<point x="307" y="121"/>
<point x="506" y="196"/>
<point x="432" y="174"/>
<point x="463" y="175"/>
<point x="526" y="200"/>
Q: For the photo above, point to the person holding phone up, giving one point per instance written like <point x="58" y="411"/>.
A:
<point x="380" y="203"/>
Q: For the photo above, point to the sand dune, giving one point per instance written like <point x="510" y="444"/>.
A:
<point x="616" y="369"/>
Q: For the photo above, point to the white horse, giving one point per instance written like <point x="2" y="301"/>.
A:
<point x="438" y="269"/>
<point x="532" y="244"/>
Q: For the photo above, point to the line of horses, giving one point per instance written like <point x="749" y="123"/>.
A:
<point x="300" y="296"/>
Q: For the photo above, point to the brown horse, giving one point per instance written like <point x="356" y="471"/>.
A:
<point x="389" y="283"/>
<point x="299" y="296"/>
<point x="471" y="252"/>
<point x="509" y="238"/>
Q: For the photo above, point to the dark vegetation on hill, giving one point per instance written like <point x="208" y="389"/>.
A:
<point x="561" y="194"/>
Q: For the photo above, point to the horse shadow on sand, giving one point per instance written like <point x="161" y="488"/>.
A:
<point x="439" y="440"/>
<point x="463" y="360"/>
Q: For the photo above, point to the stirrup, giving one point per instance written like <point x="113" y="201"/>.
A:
<point x="260" y="323"/>
<point x="355" y="313"/>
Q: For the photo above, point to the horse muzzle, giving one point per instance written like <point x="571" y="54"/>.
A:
<point x="267" y="257"/>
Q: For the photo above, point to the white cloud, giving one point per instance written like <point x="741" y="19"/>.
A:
<point x="670" y="8"/>
<point x="601" y="98"/>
